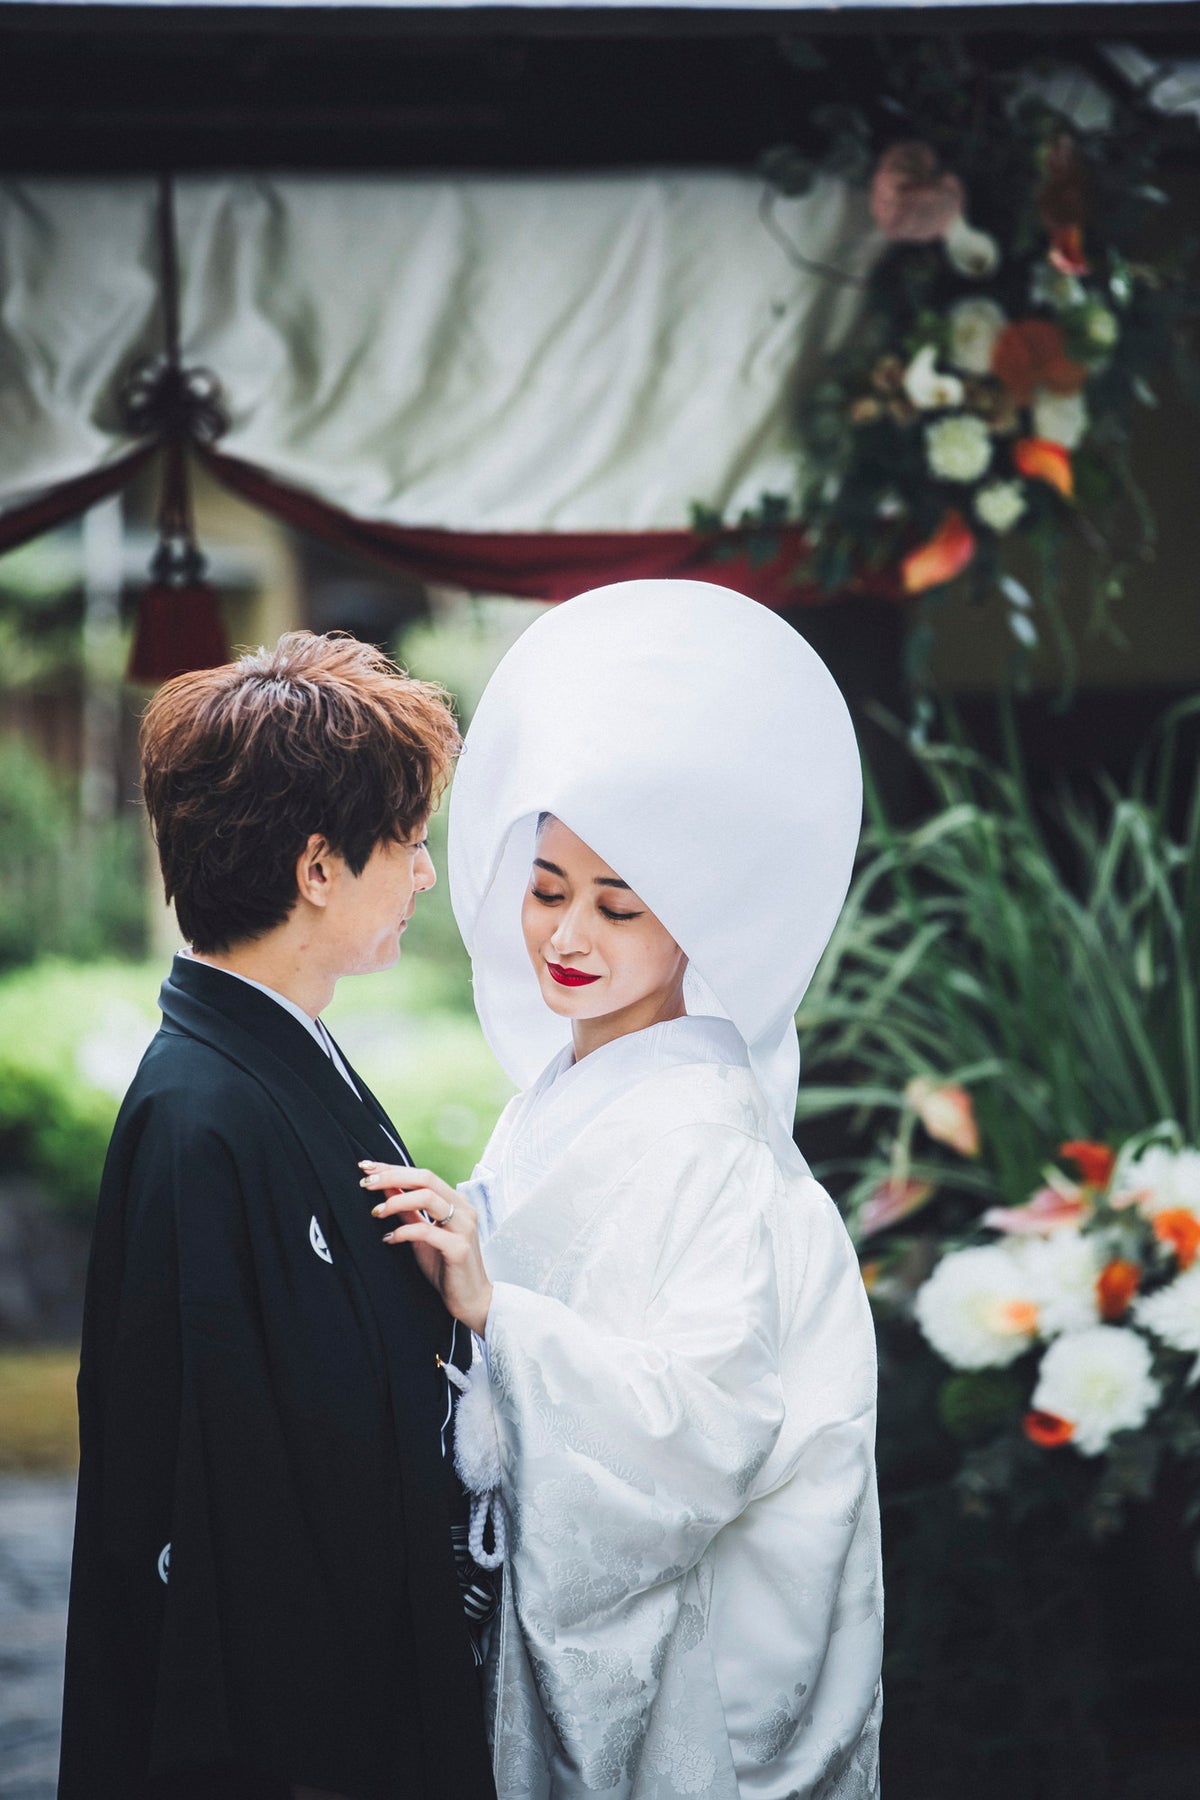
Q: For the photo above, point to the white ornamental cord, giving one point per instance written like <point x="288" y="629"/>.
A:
<point x="477" y="1459"/>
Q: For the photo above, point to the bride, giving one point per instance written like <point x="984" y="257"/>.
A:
<point x="652" y="831"/>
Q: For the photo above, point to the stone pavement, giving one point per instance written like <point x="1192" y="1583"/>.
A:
<point x="37" y="1516"/>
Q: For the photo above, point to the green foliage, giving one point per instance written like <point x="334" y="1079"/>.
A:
<point x="1055" y="977"/>
<point x="972" y="1405"/>
<point x="459" y="647"/>
<point x="71" y="1036"/>
<point x="65" y="889"/>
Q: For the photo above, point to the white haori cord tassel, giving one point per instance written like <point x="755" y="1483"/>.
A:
<point x="477" y="1459"/>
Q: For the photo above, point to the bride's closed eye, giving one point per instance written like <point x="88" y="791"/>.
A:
<point x="607" y="911"/>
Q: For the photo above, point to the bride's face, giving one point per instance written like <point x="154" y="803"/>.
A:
<point x="596" y="949"/>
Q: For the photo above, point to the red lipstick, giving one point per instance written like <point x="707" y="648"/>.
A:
<point x="570" y="977"/>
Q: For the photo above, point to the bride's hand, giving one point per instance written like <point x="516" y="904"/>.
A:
<point x="447" y="1251"/>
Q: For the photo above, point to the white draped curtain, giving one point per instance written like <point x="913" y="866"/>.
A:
<point x="557" y="360"/>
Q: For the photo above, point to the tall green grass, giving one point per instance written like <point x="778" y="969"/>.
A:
<point x="1045" y="956"/>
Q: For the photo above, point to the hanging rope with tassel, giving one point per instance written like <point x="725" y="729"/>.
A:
<point x="179" y="616"/>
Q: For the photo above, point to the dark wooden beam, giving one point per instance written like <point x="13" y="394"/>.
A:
<point x="126" y="89"/>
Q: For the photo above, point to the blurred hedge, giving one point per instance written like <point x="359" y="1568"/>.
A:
<point x="71" y="1036"/>
<point x="66" y="888"/>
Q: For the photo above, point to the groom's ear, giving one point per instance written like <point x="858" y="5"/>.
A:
<point x="315" y="870"/>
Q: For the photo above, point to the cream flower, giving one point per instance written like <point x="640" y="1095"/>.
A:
<point x="1101" y="326"/>
<point x="958" y="448"/>
<point x="925" y="384"/>
<point x="1000" y="504"/>
<point x="975" y="325"/>
<point x="1100" y="1381"/>
<point x="972" y="253"/>
<point x="977" y="1309"/>
<point x="1166" y="1180"/>
<point x="1059" y="418"/>
<point x="1063" y="1271"/>
<point x="1173" y="1314"/>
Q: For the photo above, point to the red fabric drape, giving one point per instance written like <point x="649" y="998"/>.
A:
<point x="53" y="506"/>
<point x="533" y="565"/>
<point x="550" y="565"/>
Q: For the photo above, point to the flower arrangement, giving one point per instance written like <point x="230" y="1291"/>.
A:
<point x="1089" y="1293"/>
<point x="992" y="990"/>
<point x="1011" y="327"/>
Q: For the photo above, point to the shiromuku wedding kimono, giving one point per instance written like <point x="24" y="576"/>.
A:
<point x="679" y="1351"/>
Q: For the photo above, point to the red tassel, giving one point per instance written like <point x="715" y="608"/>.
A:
<point x="179" y="628"/>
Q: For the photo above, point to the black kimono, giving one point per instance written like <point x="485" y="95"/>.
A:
<point x="264" y="1589"/>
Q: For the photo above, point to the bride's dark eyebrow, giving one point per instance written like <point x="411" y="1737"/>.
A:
<point x="613" y="881"/>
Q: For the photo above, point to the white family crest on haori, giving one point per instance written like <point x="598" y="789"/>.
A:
<point x="680" y="1352"/>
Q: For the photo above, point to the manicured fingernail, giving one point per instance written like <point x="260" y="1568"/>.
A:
<point x="377" y="1211"/>
<point x="389" y="1237"/>
<point x="366" y="1164"/>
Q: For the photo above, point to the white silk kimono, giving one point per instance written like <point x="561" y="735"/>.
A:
<point x="682" y="1368"/>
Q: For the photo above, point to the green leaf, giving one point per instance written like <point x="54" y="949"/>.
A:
<point x="975" y="1405"/>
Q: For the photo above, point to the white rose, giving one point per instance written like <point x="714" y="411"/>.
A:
<point x="1100" y="1381"/>
<point x="926" y="386"/>
<point x="1000" y="504"/>
<point x="1059" y="418"/>
<point x="976" y="1309"/>
<point x="958" y="448"/>
<point x="972" y="253"/>
<point x="1168" y="1179"/>
<point x="1173" y="1314"/>
<point x="1063" y="1271"/>
<point x="975" y="325"/>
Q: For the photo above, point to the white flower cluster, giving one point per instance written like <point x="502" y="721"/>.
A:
<point x="1173" y="1314"/>
<point x="1060" y="418"/>
<point x="1001" y="504"/>
<point x="1164" y="1180"/>
<point x="976" y="1309"/>
<point x="984" y="1307"/>
<point x="974" y="325"/>
<point x="958" y="447"/>
<point x="1100" y="1380"/>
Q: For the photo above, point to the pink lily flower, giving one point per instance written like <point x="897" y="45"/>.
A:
<point x="1050" y="1210"/>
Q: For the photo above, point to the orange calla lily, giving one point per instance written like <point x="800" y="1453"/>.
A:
<point x="1047" y="1429"/>
<point x="945" y="555"/>
<point x="1181" y="1229"/>
<point x="1116" y="1285"/>
<point x="1040" y="460"/>
<point x="1066" y="251"/>
<point x="1095" y="1162"/>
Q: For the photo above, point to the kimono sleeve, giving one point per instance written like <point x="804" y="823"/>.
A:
<point x="632" y="1426"/>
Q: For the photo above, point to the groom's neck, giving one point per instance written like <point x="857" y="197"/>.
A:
<point x="286" y="960"/>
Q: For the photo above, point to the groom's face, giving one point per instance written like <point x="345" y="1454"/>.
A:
<point x="366" y="915"/>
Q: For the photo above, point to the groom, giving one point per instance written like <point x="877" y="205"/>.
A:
<point x="268" y="1601"/>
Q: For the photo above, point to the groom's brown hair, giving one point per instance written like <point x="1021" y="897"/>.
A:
<point x="242" y="764"/>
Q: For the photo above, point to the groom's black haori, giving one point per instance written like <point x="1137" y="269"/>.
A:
<point x="264" y="1589"/>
